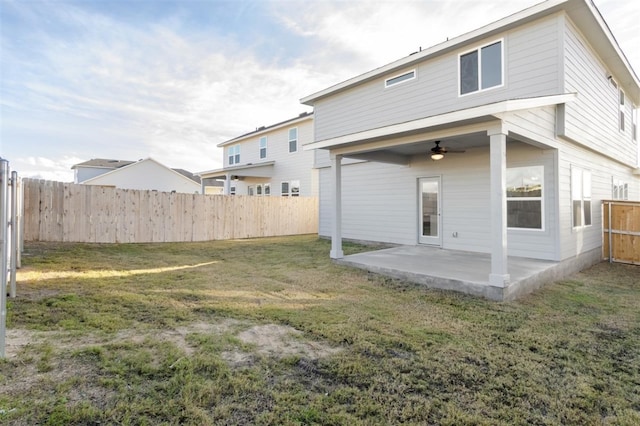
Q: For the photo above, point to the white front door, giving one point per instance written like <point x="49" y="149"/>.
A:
<point x="429" y="208"/>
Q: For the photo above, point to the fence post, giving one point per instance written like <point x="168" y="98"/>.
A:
<point x="4" y="175"/>
<point x="13" y="245"/>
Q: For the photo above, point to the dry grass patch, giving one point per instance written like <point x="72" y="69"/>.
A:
<point x="271" y="332"/>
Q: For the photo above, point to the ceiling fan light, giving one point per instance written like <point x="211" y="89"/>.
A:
<point x="437" y="156"/>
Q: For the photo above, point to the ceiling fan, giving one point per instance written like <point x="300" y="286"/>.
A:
<point x="437" y="152"/>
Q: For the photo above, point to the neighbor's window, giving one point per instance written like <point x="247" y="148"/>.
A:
<point x="259" y="190"/>
<point x="481" y="68"/>
<point x="263" y="147"/>
<point x="581" y="197"/>
<point x="284" y="189"/>
<point x="234" y="155"/>
<point x="267" y="189"/>
<point x="249" y="190"/>
<point x="620" y="189"/>
<point x="621" y="114"/>
<point x="293" y="139"/>
<point x="232" y="190"/>
<point x="400" y="78"/>
<point x="525" y="205"/>
<point x="295" y="188"/>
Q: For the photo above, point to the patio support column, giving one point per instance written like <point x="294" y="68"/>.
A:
<point x="499" y="276"/>
<point x="336" y="222"/>
<point x="227" y="184"/>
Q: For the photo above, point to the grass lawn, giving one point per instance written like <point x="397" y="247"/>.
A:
<point x="269" y="331"/>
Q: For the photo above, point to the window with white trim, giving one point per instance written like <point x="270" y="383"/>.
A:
<point x="284" y="189"/>
<point x="619" y="189"/>
<point x="232" y="190"/>
<point x="580" y="197"/>
<point x="525" y="197"/>
<point x="293" y="139"/>
<point x="621" y="111"/>
<point x="481" y="69"/>
<point x="234" y="155"/>
<point x="263" y="147"/>
<point x="634" y="123"/>
<point x="258" y="189"/>
<point x="250" y="190"/>
<point x="295" y="188"/>
<point x="397" y="79"/>
<point x="267" y="189"/>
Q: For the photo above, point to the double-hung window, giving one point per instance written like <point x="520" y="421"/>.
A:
<point x="234" y="155"/>
<point x="293" y="139"/>
<point x="284" y="189"/>
<point x="263" y="147"/>
<point x="258" y="189"/>
<point x="581" y="197"/>
<point x="621" y="112"/>
<point x="525" y="206"/>
<point x="295" y="188"/>
<point x="267" y="189"/>
<point x="481" y="69"/>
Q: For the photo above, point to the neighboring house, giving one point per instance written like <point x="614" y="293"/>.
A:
<point x="270" y="161"/>
<point x="544" y="105"/>
<point x="147" y="174"/>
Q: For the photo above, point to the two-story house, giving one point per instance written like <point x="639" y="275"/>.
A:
<point x="501" y="141"/>
<point x="270" y="161"/>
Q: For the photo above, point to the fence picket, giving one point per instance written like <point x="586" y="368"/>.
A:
<point x="55" y="211"/>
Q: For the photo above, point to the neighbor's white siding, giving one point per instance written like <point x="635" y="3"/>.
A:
<point x="147" y="175"/>
<point x="532" y="68"/>
<point x="83" y="173"/>
<point x="592" y="119"/>
<point x="288" y="166"/>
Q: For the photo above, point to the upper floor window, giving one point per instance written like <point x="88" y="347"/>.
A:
<point x="525" y="207"/>
<point x="258" y="189"/>
<point x="284" y="189"/>
<point x="621" y="108"/>
<point x="263" y="147"/>
<point x="581" y="197"/>
<point x="250" y="190"/>
<point x="267" y="189"/>
<point x="400" y="78"/>
<point x="293" y="139"/>
<point x="481" y="68"/>
<point x="634" y="123"/>
<point x="232" y="190"/>
<point x="234" y="155"/>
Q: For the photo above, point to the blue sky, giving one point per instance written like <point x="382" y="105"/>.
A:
<point x="171" y="79"/>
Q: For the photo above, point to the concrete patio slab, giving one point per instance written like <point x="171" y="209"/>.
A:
<point x="463" y="271"/>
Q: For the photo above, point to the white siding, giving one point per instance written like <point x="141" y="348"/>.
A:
<point x="288" y="165"/>
<point x="592" y="119"/>
<point x="380" y="201"/>
<point x="532" y="67"/>
<point x="602" y="171"/>
<point x="84" y="173"/>
<point x="147" y="175"/>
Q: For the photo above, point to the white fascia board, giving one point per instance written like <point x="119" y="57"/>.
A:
<point x="267" y="129"/>
<point x="450" y="117"/>
<point x="518" y="18"/>
<point x="225" y="170"/>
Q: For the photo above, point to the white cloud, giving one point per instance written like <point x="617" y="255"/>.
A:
<point x="58" y="169"/>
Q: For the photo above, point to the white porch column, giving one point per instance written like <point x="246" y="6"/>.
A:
<point x="499" y="276"/>
<point x="227" y="184"/>
<point x="336" y="220"/>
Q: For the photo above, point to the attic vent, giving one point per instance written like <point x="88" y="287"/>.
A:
<point x="261" y="127"/>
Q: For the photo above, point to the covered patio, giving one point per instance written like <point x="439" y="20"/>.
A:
<point x="462" y="271"/>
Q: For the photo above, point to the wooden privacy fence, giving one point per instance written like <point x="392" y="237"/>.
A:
<point x="621" y="231"/>
<point x="56" y="211"/>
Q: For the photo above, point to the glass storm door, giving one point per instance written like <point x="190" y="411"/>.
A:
<point x="429" y="204"/>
